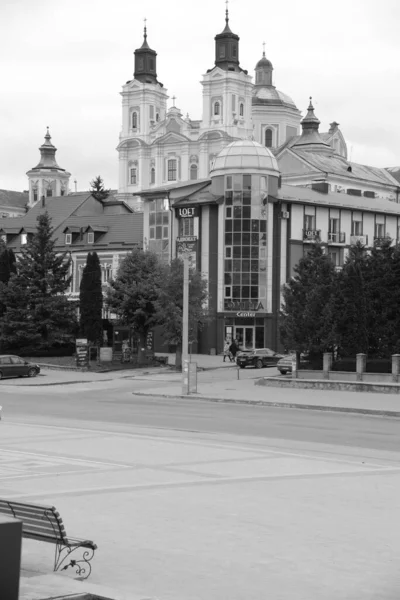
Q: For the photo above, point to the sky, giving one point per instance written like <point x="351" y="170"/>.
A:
<point x="64" y="63"/>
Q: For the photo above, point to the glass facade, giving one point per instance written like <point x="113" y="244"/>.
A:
<point x="159" y="228"/>
<point x="245" y="243"/>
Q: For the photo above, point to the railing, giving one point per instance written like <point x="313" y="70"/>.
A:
<point x="311" y="235"/>
<point x="381" y="239"/>
<point x="338" y="237"/>
<point x="362" y="239"/>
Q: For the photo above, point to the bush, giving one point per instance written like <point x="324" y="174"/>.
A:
<point x="44" y="351"/>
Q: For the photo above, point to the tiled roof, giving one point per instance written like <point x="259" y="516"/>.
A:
<point x="15" y="199"/>
<point x="123" y="230"/>
<point x="298" y="194"/>
<point x="333" y="163"/>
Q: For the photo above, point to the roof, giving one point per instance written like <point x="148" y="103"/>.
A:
<point x="271" y="96"/>
<point x="15" y="199"/>
<point x="187" y="187"/>
<point x="244" y="154"/>
<point x="394" y="172"/>
<point x="116" y="230"/>
<point x="303" y="195"/>
<point x="336" y="164"/>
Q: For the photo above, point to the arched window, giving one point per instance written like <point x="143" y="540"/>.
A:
<point x="268" y="138"/>
<point x="193" y="172"/>
<point x="241" y="109"/>
<point x="172" y="169"/>
<point x="152" y="175"/>
<point x="134" y="120"/>
<point x="133" y="173"/>
<point x="217" y="108"/>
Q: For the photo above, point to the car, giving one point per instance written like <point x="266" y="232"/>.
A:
<point x="284" y="365"/>
<point x="259" y="358"/>
<point x="15" y="366"/>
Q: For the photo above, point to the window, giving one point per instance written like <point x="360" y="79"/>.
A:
<point x="356" y="227"/>
<point x="309" y="222"/>
<point x="334" y="257"/>
<point x="193" y="172"/>
<point x="24" y="239"/>
<point x="35" y="195"/>
<point x="90" y="237"/>
<point x="234" y="52"/>
<point x="133" y="176"/>
<point x="151" y="112"/>
<point x="217" y="108"/>
<point x="186" y="226"/>
<point x="379" y="230"/>
<point x="106" y="273"/>
<point x="152" y="175"/>
<point x="157" y="117"/>
<point x="151" y="64"/>
<point x="159" y="228"/>
<point x="222" y="51"/>
<point x="172" y="170"/>
<point x="134" y="120"/>
<point x="68" y="238"/>
<point x="241" y="109"/>
<point x="333" y="225"/>
<point x="49" y="192"/>
<point x="268" y="138"/>
<point x="228" y="291"/>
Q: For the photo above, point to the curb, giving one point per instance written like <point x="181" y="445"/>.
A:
<point x="292" y="405"/>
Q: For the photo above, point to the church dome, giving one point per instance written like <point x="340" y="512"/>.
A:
<point x="264" y="62"/>
<point x="269" y="95"/>
<point x="244" y="155"/>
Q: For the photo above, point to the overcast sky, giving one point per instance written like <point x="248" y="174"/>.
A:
<point x="64" y="62"/>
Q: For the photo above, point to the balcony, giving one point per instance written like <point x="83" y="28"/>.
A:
<point x="311" y="235"/>
<point x="337" y="237"/>
<point x="362" y="239"/>
<point x="379" y="240"/>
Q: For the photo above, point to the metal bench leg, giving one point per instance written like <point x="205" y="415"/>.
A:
<point x="82" y="565"/>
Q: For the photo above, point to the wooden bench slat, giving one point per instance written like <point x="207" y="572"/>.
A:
<point x="32" y="517"/>
<point x="48" y="533"/>
<point x="27" y="511"/>
<point x="43" y="525"/>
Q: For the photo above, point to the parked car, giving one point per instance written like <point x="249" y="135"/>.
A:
<point x="262" y="357"/>
<point x="14" y="366"/>
<point x="284" y="365"/>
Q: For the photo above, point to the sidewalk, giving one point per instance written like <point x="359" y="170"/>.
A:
<point x="246" y="392"/>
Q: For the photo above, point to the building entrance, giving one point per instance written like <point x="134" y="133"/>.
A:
<point x="245" y="337"/>
<point x="249" y="332"/>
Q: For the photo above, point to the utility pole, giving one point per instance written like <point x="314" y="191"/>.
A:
<point x="185" y="326"/>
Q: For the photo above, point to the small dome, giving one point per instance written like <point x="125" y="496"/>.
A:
<point x="264" y="62"/>
<point x="244" y="155"/>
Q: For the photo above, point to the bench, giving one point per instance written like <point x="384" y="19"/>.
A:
<point x="43" y="523"/>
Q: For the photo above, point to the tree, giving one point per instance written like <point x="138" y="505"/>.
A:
<point x="133" y="293"/>
<point x="91" y="301"/>
<point x="97" y="189"/>
<point x="7" y="262"/>
<point x="38" y="311"/>
<point x="169" y="305"/>
<point x="307" y="316"/>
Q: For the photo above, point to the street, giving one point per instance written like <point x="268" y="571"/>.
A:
<point x="190" y="500"/>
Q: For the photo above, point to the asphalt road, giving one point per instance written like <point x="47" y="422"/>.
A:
<point x="116" y="408"/>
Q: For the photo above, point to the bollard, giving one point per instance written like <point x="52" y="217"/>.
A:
<point x="395" y="368"/>
<point x="327" y="364"/>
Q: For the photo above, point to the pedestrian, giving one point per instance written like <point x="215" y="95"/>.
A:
<point x="233" y="350"/>
<point x="227" y="352"/>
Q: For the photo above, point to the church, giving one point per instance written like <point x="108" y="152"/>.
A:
<point x="159" y="145"/>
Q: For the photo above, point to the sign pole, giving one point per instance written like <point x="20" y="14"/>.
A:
<point x="185" y="326"/>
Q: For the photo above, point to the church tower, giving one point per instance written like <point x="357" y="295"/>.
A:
<point x="227" y="89"/>
<point x="144" y="106"/>
<point x="276" y="118"/>
<point x="47" y="178"/>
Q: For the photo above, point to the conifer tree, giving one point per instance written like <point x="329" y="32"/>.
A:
<point x="307" y="316"/>
<point x="91" y="300"/>
<point x="38" y="312"/>
<point x="98" y="190"/>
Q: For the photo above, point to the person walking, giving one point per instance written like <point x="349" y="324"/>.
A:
<point x="233" y="348"/>
<point x="227" y="353"/>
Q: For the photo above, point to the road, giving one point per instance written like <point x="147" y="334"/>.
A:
<point x="193" y="500"/>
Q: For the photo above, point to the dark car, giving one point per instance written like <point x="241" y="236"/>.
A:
<point x="14" y="366"/>
<point x="285" y="363"/>
<point x="262" y="357"/>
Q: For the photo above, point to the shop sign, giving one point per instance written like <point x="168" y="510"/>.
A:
<point x="187" y="247"/>
<point x="185" y="212"/>
<point x="246" y="305"/>
<point x="82" y="353"/>
<point x="245" y="314"/>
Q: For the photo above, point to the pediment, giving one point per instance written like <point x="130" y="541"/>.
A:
<point x="289" y="162"/>
<point x="171" y="138"/>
